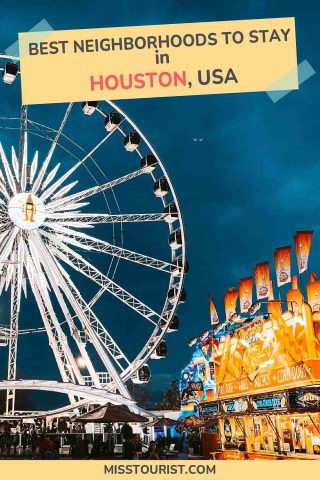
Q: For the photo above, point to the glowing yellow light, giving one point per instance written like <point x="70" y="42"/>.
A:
<point x="81" y="363"/>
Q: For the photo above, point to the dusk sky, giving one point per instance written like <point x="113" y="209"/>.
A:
<point x="244" y="190"/>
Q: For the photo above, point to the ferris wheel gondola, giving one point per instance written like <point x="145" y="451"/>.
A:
<point x="176" y="239"/>
<point x="10" y="72"/>
<point x="161" y="351"/>
<point x="112" y="121"/>
<point x="161" y="187"/>
<point x="89" y="108"/>
<point x="148" y="163"/>
<point x="176" y="295"/>
<point x="131" y="141"/>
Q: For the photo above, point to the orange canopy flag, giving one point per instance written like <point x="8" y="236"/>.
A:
<point x="294" y="296"/>
<point x="313" y="294"/>
<point x="302" y="243"/>
<point x="245" y="294"/>
<point x="262" y="279"/>
<point x="283" y="265"/>
<point x="230" y="302"/>
<point x="214" y="319"/>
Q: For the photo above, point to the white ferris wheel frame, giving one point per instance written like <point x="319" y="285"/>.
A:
<point x="37" y="254"/>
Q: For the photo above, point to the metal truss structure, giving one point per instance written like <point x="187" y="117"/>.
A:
<point x="43" y="239"/>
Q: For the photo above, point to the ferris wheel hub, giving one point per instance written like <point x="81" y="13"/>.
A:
<point x="26" y="211"/>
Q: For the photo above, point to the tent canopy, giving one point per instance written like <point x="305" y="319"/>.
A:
<point x="111" y="414"/>
<point x="163" y="422"/>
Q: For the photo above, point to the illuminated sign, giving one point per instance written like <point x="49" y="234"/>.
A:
<point x="235" y="406"/>
<point x="305" y="399"/>
<point x="276" y="401"/>
<point x="268" y="355"/>
<point x="210" y="409"/>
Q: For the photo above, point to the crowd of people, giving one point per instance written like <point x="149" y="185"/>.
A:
<point x="132" y="446"/>
<point x="47" y="446"/>
<point x="48" y="443"/>
<point x="38" y="445"/>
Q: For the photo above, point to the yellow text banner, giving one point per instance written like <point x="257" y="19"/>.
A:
<point x="175" y="470"/>
<point x="158" y="60"/>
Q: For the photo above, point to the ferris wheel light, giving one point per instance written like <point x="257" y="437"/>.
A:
<point x="81" y="363"/>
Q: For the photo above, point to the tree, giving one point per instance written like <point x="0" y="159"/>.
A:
<point x="141" y="394"/>
<point x="171" y="397"/>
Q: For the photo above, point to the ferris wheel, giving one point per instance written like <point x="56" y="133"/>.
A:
<point x="63" y="242"/>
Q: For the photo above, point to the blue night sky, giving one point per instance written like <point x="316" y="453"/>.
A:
<point x="244" y="190"/>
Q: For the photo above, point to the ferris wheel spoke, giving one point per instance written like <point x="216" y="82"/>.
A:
<point x="23" y="130"/>
<point x="37" y="183"/>
<point x="61" y="204"/>
<point x="50" y="191"/>
<point x="99" y="329"/>
<point x="80" y="308"/>
<point x="3" y="187"/>
<point x="15" y="263"/>
<point x="7" y="246"/>
<point x="81" y="265"/>
<point x="95" y="333"/>
<point x="23" y="148"/>
<point x="8" y="172"/>
<point x="65" y="360"/>
<point x="98" y="218"/>
<point x="34" y="255"/>
<point x="87" y="242"/>
<point x="73" y="330"/>
<point x="94" y="329"/>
